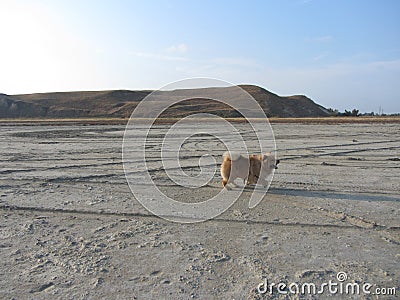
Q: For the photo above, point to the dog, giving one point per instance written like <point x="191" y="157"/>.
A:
<point x="252" y="169"/>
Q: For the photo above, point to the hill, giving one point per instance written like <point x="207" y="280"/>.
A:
<point x="121" y="103"/>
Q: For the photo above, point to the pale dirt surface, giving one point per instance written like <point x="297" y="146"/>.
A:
<point x="71" y="229"/>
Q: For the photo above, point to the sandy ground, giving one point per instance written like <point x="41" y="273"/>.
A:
<point x="71" y="229"/>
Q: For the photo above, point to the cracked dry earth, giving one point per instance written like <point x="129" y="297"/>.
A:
<point x="71" y="229"/>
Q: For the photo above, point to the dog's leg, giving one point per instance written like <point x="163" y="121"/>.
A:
<point x="224" y="182"/>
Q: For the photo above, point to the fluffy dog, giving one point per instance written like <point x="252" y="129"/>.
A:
<point x="252" y="169"/>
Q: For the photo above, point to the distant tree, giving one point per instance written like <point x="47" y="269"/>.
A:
<point x="333" y="112"/>
<point x="370" y="114"/>
<point x="355" y="112"/>
<point x="347" y="113"/>
<point x="350" y="113"/>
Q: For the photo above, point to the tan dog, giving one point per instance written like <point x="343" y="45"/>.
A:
<point x="252" y="169"/>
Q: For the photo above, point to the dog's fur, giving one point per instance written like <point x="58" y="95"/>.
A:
<point x="252" y="169"/>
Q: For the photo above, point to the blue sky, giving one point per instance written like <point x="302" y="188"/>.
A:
<point x="343" y="54"/>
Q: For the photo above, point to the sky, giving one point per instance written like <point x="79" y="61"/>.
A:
<point x="343" y="54"/>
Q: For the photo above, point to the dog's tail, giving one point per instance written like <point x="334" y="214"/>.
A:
<point x="231" y="156"/>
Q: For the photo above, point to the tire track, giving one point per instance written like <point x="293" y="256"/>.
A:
<point x="31" y="209"/>
<point x="339" y="153"/>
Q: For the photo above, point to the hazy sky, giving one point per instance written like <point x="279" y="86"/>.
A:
<point x="341" y="53"/>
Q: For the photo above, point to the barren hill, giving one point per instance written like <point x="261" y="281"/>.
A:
<point x="121" y="103"/>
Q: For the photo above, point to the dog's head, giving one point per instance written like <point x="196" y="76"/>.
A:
<point x="263" y="165"/>
<point x="269" y="161"/>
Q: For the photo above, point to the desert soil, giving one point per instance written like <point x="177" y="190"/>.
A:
<point x="71" y="228"/>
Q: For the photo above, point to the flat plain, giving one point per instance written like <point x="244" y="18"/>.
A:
<point x="71" y="228"/>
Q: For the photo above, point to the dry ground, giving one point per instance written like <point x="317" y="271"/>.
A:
<point x="71" y="229"/>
